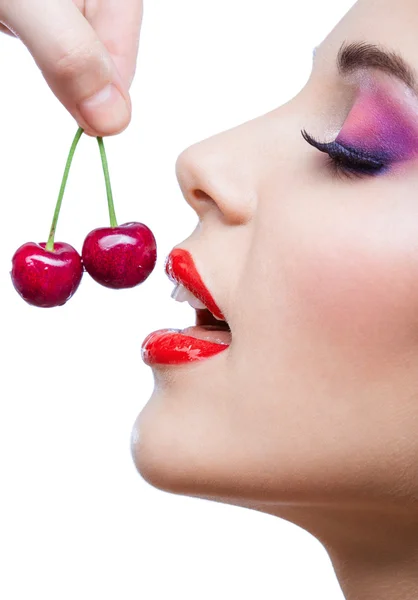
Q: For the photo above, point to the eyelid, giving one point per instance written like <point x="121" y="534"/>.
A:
<point x="380" y="123"/>
<point x="336" y="149"/>
<point x="349" y="160"/>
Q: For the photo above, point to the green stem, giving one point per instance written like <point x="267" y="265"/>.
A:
<point x="112" y="215"/>
<point x="50" y="242"/>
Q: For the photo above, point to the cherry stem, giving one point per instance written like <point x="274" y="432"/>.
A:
<point x="112" y="215"/>
<point x="50" y="243"/>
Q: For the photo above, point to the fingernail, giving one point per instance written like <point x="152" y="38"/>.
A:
<point x="107" y="111"/>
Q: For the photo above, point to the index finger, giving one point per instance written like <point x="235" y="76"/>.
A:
<point x="117" y="24"/>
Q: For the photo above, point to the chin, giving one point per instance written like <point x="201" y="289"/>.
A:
<point x="182" y="451"/>
<point x="165" y="450"/>
<point x="155" y="449"/>
<point x="181" y="444"/>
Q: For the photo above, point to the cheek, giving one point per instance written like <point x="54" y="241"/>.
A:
<point x="355" y="275"/>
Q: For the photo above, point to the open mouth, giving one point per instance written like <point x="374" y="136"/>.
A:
<point x="211" y="333"/>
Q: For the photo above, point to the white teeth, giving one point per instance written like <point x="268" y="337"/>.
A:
<point x="181" y="294"/>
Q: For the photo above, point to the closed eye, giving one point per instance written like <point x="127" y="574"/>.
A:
<point x="349" y="161"/>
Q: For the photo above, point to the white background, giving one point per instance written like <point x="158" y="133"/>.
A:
<point x="76" y="519"/>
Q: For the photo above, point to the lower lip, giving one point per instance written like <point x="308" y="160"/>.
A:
<point x="177" y="347"/>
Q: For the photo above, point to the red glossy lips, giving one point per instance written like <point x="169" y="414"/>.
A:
<point x="171" y="346"/>
<point x="180" y="268"/>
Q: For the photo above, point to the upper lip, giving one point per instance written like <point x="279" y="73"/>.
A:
<point x="181" y="269"/>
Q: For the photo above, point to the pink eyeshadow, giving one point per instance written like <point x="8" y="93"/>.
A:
<point x="377" y="124"/>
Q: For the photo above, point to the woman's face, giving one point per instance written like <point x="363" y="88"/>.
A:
<point x="314" y="262"/>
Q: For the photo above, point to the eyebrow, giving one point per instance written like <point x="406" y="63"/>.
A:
<point x="359" y="55"/>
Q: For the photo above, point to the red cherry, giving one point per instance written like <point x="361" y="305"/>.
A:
<point x="46" y="278"/>
<point x="120" y="257"/>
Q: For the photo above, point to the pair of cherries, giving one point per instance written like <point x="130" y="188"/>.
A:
<point x="48" y="274"/>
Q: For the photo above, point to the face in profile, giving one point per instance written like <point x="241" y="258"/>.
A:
<point x="298" y="385"/>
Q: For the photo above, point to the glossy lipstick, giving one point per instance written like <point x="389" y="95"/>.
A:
<point x="180" y="268"/>
<point x="171" y="347"/>
<point x="174" y="346"/>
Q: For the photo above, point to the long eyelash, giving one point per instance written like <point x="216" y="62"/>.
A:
<point x="348" y="161"/>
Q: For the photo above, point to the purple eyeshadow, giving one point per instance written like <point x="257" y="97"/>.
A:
<point x="378" y="127"/>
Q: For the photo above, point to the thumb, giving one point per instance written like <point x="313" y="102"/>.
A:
<point x="74" y="62"/>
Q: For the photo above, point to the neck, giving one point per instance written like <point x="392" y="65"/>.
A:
<point x="374" y="551"/>
<point x="375" y="555"/>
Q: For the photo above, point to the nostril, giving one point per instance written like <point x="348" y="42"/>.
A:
<point x="201" y="195"/>
<point x="202" y="202"/>
<point x="210" y="185"/>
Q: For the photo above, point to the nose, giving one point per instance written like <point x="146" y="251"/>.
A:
<point x="214" y="176"/>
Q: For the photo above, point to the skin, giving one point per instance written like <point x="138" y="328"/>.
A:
<point x="86" y="50"/>
<point x="311" y="414"/>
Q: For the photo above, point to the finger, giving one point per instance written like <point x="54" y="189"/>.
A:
<point x="76" y="65"/>
<point x="117" y="24"/>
